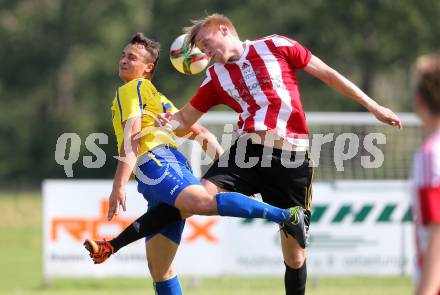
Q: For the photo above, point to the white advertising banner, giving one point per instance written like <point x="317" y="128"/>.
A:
<point x="357" y="228"/>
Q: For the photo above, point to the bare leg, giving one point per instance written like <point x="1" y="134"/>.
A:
<point x="160" y="255"/>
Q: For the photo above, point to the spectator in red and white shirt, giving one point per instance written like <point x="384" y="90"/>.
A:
<point x="426" y="177"/>
<point x="258" y="80"/>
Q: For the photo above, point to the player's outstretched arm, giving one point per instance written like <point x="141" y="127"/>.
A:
<point x="331" y="77"/>
<point x="430" y="280"/>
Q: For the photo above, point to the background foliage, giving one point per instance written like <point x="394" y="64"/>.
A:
<point x="58" y="62"/>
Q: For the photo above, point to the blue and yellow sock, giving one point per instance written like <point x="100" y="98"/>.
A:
<point x="238" y="205"/>
<point x="168" y="287"/>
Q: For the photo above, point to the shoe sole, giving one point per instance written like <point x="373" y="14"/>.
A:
<point x="90" y="246"/>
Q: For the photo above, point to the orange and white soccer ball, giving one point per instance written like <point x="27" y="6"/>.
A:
<point x="187" y="61"/>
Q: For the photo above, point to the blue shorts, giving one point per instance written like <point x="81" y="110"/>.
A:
<point x="161" y="175"/>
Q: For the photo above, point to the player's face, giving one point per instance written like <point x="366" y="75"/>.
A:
<point x="213" y="41"/>
<point x="133" y="63"/>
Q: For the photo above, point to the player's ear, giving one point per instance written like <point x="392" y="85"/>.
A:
<point x="149" y="67"/>
<point x="224" y="30"/>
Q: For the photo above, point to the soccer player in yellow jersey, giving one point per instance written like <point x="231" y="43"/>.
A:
<point x="163" y="173"/>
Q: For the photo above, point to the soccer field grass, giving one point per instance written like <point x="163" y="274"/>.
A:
<point x="20" y="267"/>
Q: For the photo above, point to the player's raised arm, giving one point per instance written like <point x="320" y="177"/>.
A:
<point x="331" y="77"/>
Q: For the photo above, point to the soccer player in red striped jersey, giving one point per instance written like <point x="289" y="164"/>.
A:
<point x="426" y="177"/>
<point x="258" y="80"/>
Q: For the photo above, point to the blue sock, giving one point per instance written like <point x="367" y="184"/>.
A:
<point x="239" y="205"/>
<point x="168" y="287"/>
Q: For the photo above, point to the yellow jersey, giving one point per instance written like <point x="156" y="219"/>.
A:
<point x="139" y="98"/>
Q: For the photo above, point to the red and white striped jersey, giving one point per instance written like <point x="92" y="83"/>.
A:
<point x="426" y="181"/>
<point x="262" y="87"/>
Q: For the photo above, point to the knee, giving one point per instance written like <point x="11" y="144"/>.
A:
<point x="195" y="200"/>
<point x="206" y="205"/>
<point x="210" y="187"/>
<point x="160" y="273"/>
<point x="295" y="259"/>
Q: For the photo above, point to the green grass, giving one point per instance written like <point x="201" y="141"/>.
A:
<point x="20" y="267"/>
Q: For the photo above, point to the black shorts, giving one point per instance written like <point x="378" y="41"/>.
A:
<point x="279" y="182"/>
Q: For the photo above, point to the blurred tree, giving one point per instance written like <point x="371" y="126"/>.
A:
<point x="58" y="74"/>
<point x="58" y="70"/>
<point x="359" y="38"/>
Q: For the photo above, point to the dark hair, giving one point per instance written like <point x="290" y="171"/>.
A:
<point x="428" y="81"/>
<point x="151" y="46"/>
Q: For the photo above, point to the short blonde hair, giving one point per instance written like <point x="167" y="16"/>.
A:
<point x="211" y="20"/>
<point x="428" y="81"/>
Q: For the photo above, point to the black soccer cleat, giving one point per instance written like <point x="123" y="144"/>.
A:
<point x="296" y="226"/>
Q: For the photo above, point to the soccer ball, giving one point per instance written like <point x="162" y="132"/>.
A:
<point x="187" y="61"/>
